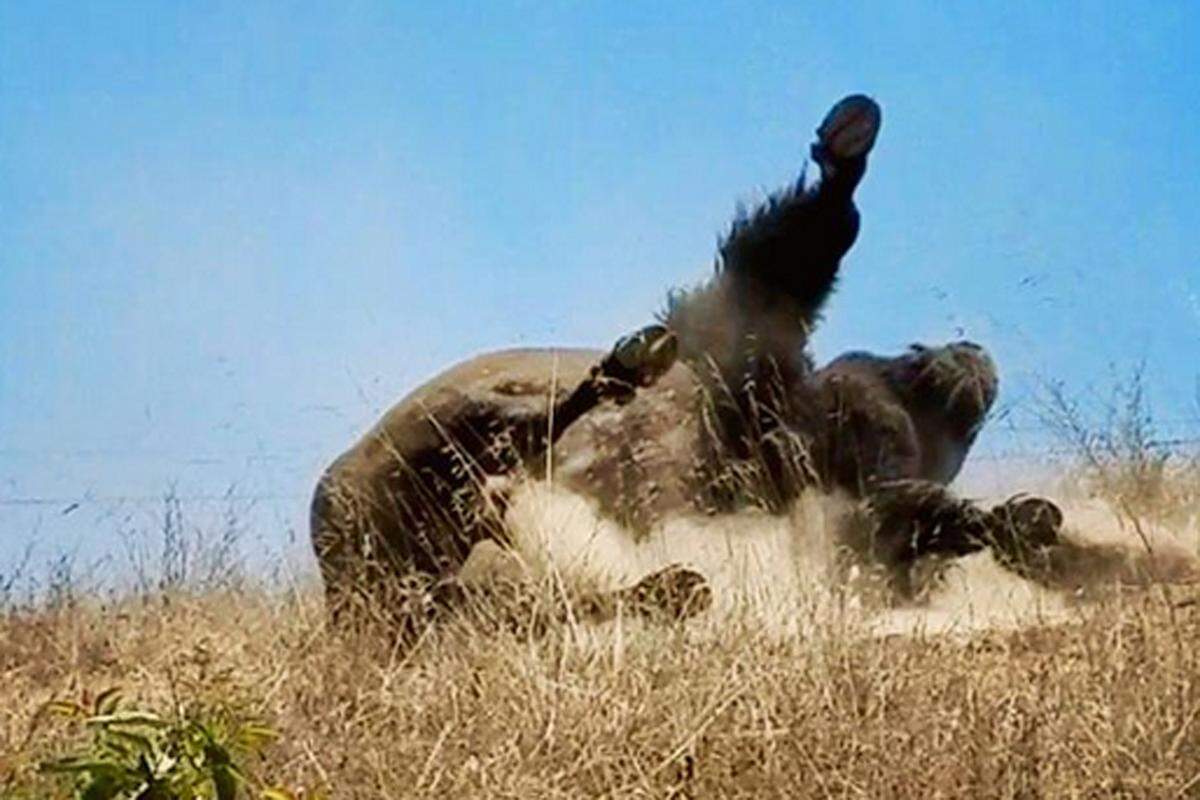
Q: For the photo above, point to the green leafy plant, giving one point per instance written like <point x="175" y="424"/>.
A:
<point x="136" y="755"/>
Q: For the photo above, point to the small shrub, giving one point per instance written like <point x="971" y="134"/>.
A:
<point x="1120" y="453"/>
<point x="137" y="755"/>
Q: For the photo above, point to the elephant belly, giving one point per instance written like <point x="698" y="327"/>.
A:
<point x="636" y="462"/>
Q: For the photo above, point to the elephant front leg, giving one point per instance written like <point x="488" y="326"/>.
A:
<point x="915" y="518"/>
<point x="636" y="361"/>
<point x="1028" y="542"/>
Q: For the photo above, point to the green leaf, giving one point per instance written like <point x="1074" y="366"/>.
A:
<point x="277" y="793"/>
<point x="65" y="708"/>
<point x="216" y="754"/>
<point x="255" y="736"/>
<point x="164" y="766"/>
<point x="137" y="740"/>
<point x="225" y="781"/>
<point x="77" y="764"/>
<point x="128" y="718"/>
<point x="107" y="700"/>
<point x="103" y="788"/>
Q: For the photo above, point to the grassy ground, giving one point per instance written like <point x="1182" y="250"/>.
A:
<point x="1089" y="696"/>
<point x="1104" y="704"/>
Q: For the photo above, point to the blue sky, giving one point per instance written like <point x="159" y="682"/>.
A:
<point x="234" y="233"/>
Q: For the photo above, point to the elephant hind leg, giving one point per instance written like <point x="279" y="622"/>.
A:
<point x="374" y="577"/>
<point x="672" y="594"/>
<point x="336" y="544"/>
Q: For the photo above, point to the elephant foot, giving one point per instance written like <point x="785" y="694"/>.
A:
<point x="671" y="594"/>
<point x="636" y="361"/>
<point x="1024" y="529"/>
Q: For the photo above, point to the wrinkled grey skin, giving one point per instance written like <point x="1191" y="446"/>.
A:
<point x="394" y="518"/>
<point x="732" y="414"/>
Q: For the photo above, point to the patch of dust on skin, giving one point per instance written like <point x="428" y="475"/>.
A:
<point x="788" y="574"/>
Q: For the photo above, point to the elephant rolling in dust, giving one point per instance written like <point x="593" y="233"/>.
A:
<point x="718" y="408"/>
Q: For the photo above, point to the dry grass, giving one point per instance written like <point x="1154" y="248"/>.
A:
<point x="1096" y="699"/>
<point x="994" y="689"/>
<point x="1102" y="705"/>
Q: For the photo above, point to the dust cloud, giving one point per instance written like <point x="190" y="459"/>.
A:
<point x="792" y="575"/>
